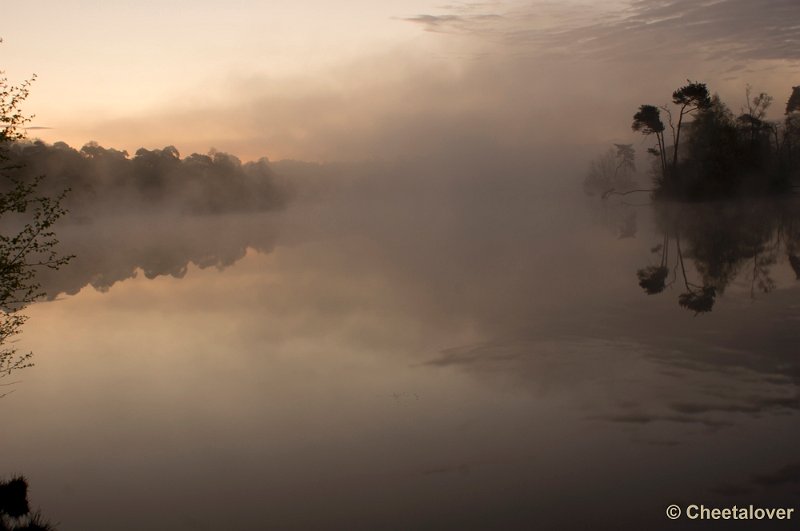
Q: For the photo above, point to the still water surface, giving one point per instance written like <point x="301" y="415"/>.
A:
<point x="401" y="357"/>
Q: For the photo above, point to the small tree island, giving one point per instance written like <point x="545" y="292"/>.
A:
<point x="714" y="154"/>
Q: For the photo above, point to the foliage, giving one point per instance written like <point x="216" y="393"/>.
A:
<point x="709" y="167"/>
<point x="27" y="241"/>
<point x="793" y="105"/>
<point x="692" y="96"/>
<point x="109" y="181"/>
<point x="648" y="122"/>
<point x="717" y="154"/>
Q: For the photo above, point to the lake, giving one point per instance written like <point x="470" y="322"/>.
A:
<point x="404" y="353"/>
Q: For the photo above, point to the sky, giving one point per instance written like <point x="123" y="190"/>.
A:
<point x="355" y="79"/>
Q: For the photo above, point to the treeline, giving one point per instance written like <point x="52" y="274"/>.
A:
<point x="106" y="180"/>
<point x="704" y="151"/>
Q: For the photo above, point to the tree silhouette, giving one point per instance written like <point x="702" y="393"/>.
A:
<point x="716" y="244"/>
<point x="691" y="98"/>
<point x="716" y="154"/>
<point x="27" y="241"/>
<point x="791" y="140"/>
<point x="793" y="105"/>
<point x="648" y="121"/>
<point x="753" y="121"/>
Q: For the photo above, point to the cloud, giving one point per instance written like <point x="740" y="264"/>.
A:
<point x="455" y="23"/>
<point x="397" y="104"/>
<point x="724" y="29"/>
<point x="433" y="22"/>
<point x="484" y="75"/>
<point x="718" y="30"/>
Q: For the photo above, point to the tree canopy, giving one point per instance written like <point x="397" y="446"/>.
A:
<point x="716" y="153"/>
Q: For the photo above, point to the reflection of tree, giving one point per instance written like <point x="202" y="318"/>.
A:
<point x="653" y="279"/>
<point x="698" y="298"/>
<point x="723" y="243"/>
<point x="110" y="251"/>
<point x="15" y="513"/>
<point x="617" y="216"/>
<point x="795" y="262"/>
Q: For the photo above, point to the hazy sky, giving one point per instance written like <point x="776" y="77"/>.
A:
<point x="320" y="80"/>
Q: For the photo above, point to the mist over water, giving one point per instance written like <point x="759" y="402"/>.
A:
<point x="430" y="343"/>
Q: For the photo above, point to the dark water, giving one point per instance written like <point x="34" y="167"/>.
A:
<point x="415" y="356"/>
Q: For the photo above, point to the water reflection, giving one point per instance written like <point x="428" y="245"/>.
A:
<point x="15" y="511"/>
<point x="706" y="248"/>
<point x="110" y="250"/>
<point x="475" y="356"/>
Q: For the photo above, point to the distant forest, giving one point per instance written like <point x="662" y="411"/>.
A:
<point x="704" y="151"/>
<point x="106" y="180"/>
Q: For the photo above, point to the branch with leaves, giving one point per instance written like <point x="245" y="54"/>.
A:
<point x="27" y="240"/>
